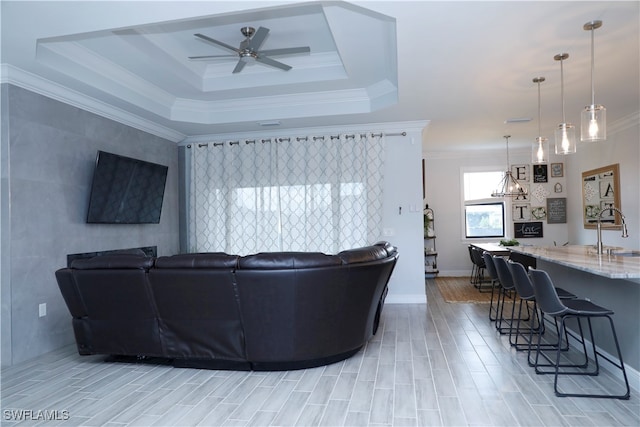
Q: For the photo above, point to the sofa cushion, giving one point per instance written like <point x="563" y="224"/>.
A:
<point x="120" y="261"/>
<point x="287" y="260"/>
<point x="364" y="254"/>
<point x="198" y="260"/>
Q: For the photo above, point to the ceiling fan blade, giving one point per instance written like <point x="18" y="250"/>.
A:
<point x="273" y="63"/>
<point x="239" y="66"/>
<point x="258" y="38"/>
<point x="285" y="51"/>
<point x="217" y="42"/>
<point x="206" y="57"/>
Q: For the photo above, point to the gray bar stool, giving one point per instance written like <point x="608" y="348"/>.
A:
<point x="495" y="284"/>
<point x="562" y="310"/>
<point x="508" y="290"/>
<point x="524" y="288"/>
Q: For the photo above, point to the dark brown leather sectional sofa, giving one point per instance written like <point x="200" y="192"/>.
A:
<point x="268" y="311"/>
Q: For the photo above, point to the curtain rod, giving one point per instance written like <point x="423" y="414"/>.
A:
<point x="299" y="138"/>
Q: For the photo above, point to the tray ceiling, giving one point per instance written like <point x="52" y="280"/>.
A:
<point x="148" y="67"/>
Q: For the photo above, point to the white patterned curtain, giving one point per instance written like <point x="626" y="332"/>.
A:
<point x="315" y="193"/>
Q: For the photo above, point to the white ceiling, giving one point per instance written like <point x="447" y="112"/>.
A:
<point x="465" y="67"/>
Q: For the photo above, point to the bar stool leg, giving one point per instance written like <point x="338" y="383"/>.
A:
<point x="625" y="396"/>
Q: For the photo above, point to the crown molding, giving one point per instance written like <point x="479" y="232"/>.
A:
<point x="18" y="77"/>
<point x="625" y="123"/>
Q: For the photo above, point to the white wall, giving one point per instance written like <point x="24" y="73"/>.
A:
<point x="623" y="147"/>
<point x="402" y="203"/>
<point x="444" y="188"/>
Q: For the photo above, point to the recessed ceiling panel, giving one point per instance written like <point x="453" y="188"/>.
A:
<point x="149" y="66"/>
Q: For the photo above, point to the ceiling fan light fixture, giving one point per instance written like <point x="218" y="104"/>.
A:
<point x="565" y="133"/>
<point x="249" y="50"/>
<point x="593" y="118"/>
<point x="540" y="148"/>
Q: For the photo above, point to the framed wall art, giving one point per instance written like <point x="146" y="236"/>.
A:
<point x="525" y="230"/>
<point x="600" y="192"/>
<point x="520" y="172"/>
<point x="557" y="170"/>
<point x="557" y="210"/>
<point x="539" y="173"/>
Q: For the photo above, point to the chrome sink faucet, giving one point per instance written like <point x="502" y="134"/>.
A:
<point x="599" y="245"/>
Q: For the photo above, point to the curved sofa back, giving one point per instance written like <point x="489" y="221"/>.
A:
<point x="269" y="310"/>
<point x="197" y="309"/>
<point x="315" y="308"/>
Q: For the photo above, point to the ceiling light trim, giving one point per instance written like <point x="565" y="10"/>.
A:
<point x="85" y="65"/>
<point x="263" y="108"/>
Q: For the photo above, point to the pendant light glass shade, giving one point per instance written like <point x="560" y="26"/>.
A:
<point x="540" y="151"/>
<point x="565" y="138"/>
<point x="565" y="132"/>
<point x="594" y="117"/>
<point x="509" y="186"/>
<point x="540" y="148"/>
<point x="594" y="123"/>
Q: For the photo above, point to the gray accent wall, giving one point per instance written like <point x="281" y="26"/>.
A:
<point x="48" y="156"/>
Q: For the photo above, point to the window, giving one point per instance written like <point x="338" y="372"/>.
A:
<point x="484" y="216"/>
<point x="484" y="220"/>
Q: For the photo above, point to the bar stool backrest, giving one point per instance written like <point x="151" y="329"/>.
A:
<point x="521" y="280"/>
<point x="546" y="295"/>
<point x="504" y="275"/>
<point x="477" y="257"/>
<point x="489" y="266"/>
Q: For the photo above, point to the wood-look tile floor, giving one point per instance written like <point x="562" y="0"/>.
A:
<point x="429" y="365"/>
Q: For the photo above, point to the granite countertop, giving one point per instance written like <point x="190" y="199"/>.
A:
<point x="585" y="258"/>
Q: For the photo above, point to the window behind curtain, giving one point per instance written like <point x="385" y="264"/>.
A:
<point x="290" y="194"/>
<point x="484" y="216"/>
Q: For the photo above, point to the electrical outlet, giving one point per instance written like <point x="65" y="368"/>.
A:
<point x="42" y="309"/>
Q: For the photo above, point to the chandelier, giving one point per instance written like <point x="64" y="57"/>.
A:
<point x="509" y="186"/>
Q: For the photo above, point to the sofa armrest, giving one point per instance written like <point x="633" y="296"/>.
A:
<point x="364" y="254"/>
<point x="119" y="261"/>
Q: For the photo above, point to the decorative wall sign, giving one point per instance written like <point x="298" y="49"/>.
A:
<point x="521" y="212"/>
<point x="520" y="172"/>
<point x="557" y="210"/>
<point x="538" y="212"/>
<point x="557" y="188"/>
<point x="539" y="173"/>
<point x="557" y="170"/>
<point x="600" y="191"/>
<point x="523" y="197"/>
<point x="540" y="193"/>
<point x="523" y="230"/>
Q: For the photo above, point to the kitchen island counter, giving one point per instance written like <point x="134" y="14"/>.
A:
<point x="585" y="258"/>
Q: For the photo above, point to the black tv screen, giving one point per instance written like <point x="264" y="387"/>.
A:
<point x="126" y="190"/>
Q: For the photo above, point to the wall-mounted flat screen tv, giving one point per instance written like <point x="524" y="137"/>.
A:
<point x="126" y="190"/>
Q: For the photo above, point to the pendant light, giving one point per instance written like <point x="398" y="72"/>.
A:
<point x="565" y="132"/>
<point x="540" y="148"/>
<point x="594" y="117"/>
<point x="509" y="186"/>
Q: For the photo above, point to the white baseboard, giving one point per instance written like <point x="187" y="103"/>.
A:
<point x="406" y="299"/>
<point x="454" y="273"/>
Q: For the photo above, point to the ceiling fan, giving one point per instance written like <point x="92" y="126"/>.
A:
<point x="249" y="50"/>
